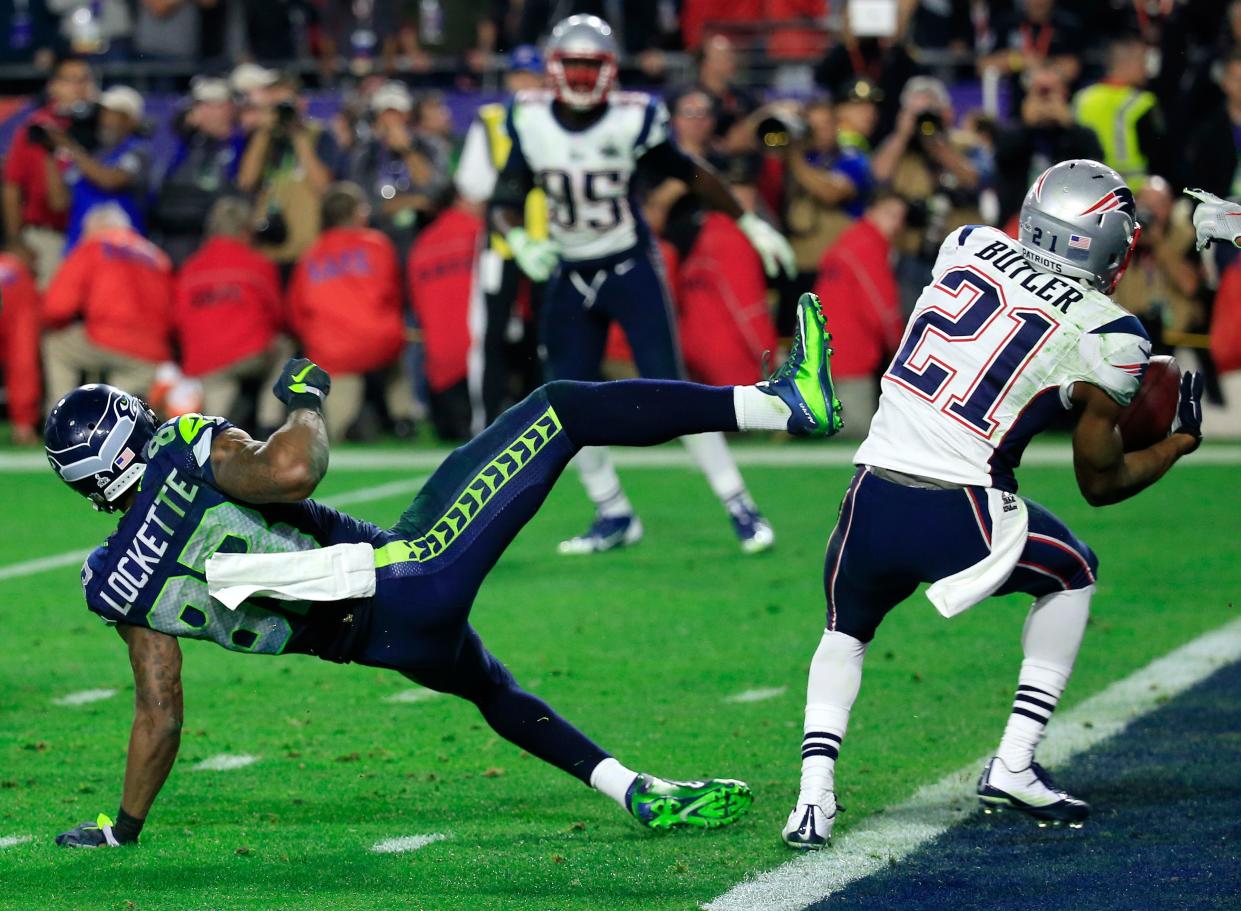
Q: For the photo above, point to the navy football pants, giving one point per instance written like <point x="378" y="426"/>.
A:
<point x="890" y="538"/>
<point x="433" y="561"/>
<point x="582" y="301"/>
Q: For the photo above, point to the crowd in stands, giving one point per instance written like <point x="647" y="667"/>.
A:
<point x="258" y="230"/>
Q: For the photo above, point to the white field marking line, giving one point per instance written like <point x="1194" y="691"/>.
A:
<point x="10" y="841"/>
<point x="829" y="455"/>
<point x="406" y="843"/>
<point x="757" y="695"/>
<point x="84" y="696"/>
<point x="348" y="498"/>
<point x="224" y="762"/>
<point x="415" y="695"/>
<point x="891" y="835"/>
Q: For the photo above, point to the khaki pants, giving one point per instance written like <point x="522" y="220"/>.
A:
<point x="220" y="387"/>
<point x="349" y="390"/>
<point x="48" y="247"/>
<point x="68" y="353"/>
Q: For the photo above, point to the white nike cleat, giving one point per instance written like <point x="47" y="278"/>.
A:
<point x="1029" y="791"/>
<point x="809" y="826"/>
<point x="605" y="533"/>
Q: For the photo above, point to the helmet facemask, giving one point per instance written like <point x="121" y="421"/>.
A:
<point x="582" y="80"/>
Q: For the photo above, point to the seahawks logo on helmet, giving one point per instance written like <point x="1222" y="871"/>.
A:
<point x="94" y="439"/>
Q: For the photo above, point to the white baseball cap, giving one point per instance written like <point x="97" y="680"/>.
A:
<point x="246" y="77"/>
<point x="204" y="88"/>
<point x="392" y="96"/>
<point x="124" y="100"/>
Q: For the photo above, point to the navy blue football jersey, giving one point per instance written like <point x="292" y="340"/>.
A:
<point x="150" y="572"/>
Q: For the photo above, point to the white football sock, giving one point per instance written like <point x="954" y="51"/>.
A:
<point x="715" y="461"/>
<point x="598" y="474"/>
<point x="756" y="410"/>
<point x="835" y="677"/>
<point x="1050" y="640"/>
<point x="613" y="779"/>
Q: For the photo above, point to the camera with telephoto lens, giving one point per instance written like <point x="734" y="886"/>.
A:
<point x="929" y="123"/>
<point x="778" y="130"/>
<point x="82" y="128"/>
<point x="286" y="114"/>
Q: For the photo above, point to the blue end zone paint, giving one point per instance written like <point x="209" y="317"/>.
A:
<point x="1165" y="833"/>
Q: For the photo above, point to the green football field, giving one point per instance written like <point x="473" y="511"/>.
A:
<point x="643" y="649"/>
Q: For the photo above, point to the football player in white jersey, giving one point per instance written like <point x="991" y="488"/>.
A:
<point x="582" y="143"/>
<point x="1008" y="335"/>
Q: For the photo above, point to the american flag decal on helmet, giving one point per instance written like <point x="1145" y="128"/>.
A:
<point x="1079" y="246"/>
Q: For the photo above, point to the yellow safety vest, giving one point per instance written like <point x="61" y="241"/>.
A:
<point x="499" y="143"/>
<point x="1113" y="112"/>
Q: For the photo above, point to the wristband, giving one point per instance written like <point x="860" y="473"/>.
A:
<point x="127" y="828"/>
<point x="306" y="400"/>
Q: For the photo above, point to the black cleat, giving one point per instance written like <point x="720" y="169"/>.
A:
<point x="1030" y="791"/>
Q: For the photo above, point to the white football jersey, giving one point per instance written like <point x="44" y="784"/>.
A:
<point x="988" y="360"/>
<point x="586" y="173"/>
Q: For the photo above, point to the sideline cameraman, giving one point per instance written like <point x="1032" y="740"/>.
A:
<point x="115" y="172"/>
<point x="289" y="163"/>
<point x="32" y="227"/>
<point x="202" y="169"/>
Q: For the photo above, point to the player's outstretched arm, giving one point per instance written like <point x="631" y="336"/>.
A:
<point x="153" y="740"/>
<point x="1106" y="474"/>
<point x="291" y="463"/>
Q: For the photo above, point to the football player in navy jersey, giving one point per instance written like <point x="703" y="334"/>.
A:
<point x="217" y="540"/>
<point x="582" y="143"/>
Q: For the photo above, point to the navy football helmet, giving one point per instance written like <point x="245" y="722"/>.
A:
<point x="95" y="440"/>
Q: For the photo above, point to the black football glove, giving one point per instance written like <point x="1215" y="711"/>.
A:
<point x="97" y="834"/>
<point x="302" y="384"/>
<point x="1189" y="407"/>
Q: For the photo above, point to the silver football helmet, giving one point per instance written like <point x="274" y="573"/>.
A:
<point x="1079" y="219"/>
<point x="582" y="61"/>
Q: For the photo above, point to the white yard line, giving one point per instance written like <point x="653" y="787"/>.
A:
<point x="84" y="697"/>
<point x="348" y="498"/>
<point x="416" y="695"/>
<point x="406" y="843"/>
<point x="10" y="841"/>
<point x="224" y="762"/>
<point x="887" y="837"/>
<point x="808" y="455"/>
<point x="757" y="695"/>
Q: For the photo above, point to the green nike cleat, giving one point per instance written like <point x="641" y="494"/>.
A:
<point x="661" y="804"/>
<point x="804" y="380"/>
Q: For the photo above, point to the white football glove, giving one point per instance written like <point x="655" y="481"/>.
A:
<point x="536" y="258"/>
<point x="1215" y="218"/>
<point x="772" y="248"/>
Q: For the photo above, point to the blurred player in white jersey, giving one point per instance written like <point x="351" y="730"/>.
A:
<point x="582" y="143"/>
<point x="1008" y="336"/>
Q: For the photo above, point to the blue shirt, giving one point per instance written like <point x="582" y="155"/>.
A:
<point x="131" y="154"/>
<point x="852" y="164"/>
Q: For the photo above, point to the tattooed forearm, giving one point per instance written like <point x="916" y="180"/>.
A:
<point x="158" y="716"/>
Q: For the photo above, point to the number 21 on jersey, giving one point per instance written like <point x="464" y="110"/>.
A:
<point x="948" y="336"/>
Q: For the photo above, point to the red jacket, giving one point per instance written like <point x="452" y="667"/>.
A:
<point x="725" y="325"/>
<point x="121" y="285"/>
<point x="25" y="166"/>
<point x="861" y="301"/>
<point x="345" y="301"/>
<point x="226" y="305"/>
<point x="19" y="340"/>
<point x="441" y="266"/>
<point x="1226" y="321"/>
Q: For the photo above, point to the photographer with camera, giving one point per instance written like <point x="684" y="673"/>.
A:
<point x="825" y="188"/>
<point x="110" y="164"/>
<point x="402" y="173"/>
<point x="203" y="168"/>
<point x="923" y="160"/>
<point x="289" y="162"/>
<point x="1046" y="135"/>
<point x="33" y="227"/>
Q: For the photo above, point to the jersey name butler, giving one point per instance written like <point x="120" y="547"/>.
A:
<point x="989" y="358"/>
<point x="587" y="173"/>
